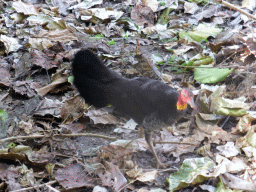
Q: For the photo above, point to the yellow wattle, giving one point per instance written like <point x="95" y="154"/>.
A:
<point x="181" y="107"/>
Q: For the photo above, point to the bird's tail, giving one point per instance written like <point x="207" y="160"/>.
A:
<point x="88" y="65"/>
<point x="92" y="78"/>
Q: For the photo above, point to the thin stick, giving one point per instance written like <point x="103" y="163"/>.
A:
<point x="172" y="142"/>
<point x="57" y="135"/>
<point x="22" y="137"/>
<point x="51" y="188"/>
<point x="222" y="67"/>
<point x="193" y="67"/>
<point x="237" y="9"/>
<point x="37" y="186"/>
<point x="86" y="135"/>
<point x="132" y="181"/>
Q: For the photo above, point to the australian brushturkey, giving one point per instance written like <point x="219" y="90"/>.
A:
<point x="151" y="103"/>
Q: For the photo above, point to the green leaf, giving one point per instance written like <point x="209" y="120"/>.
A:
<point x="201" y="33"/>
<point x="223" y="106"/>
<point x="164" y="17"/>
<point x="211" y="75"/>
<point x="3" y="115"/>
<point x="192" y="171"/>
<point x="11" y="145"/>
<point x="127" y="22"/>
<point x="70" y="79"/>
<point x="204" y="60"/>
<point x="222" y="188"/>
<point x="249" y="140"/>
<point x="236" y="112"/>
<point x="98" y="36"/>
<point x="112" y="42"/>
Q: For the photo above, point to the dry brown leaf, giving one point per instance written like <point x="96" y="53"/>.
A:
<point x="25" y="8"/>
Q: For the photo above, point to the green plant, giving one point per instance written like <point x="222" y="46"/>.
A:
<point x="11" y="145"/>
<point x="126" y="37"/>
<point x="71" y="79"/>
<point x="28" y="77"/>
<point x="112" y="42"/>
<point x="164" y="40"/>
<point x="129" y="9"/>
<point x="98" y="36"/>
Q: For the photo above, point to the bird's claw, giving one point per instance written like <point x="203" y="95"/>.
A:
<point x="161" y="165"/>
<point x="168" y="165"/>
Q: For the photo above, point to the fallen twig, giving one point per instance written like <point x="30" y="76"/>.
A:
<point x="57" y="135"/>
<point x="173" y="142"/>
<point x="229" y="5"/>
<point x="36" y="186"/>
<point x="193" y="67"/>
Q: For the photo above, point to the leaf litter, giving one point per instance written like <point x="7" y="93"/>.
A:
<point x="51" y="139"/>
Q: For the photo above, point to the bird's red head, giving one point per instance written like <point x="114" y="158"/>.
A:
<point x="185" y="97"/>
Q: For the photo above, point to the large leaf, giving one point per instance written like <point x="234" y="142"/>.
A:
<point x="192" y="171"/>
<point x="223" y="106"/>
<point x="51" y="23"/>
<point x="201" y="33"/>
<point x="211" y="75"/>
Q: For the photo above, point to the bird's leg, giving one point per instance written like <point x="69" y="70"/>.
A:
<point x="141" y="132"/>
<point x="148" y="137"/>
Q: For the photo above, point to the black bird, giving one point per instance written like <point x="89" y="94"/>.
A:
<point x="151" y="103"/>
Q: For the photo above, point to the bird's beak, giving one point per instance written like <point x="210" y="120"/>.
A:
<point x="192" y="103"/>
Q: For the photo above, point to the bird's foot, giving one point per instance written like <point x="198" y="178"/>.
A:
<point x="168" y="165"/>
<point x="161" y="165"/>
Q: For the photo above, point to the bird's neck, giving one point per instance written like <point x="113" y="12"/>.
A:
<point x="181" y="105"/>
